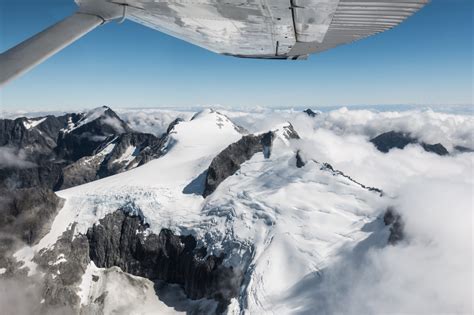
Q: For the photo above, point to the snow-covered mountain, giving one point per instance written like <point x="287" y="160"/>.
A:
<point x="60" y="152"/>
<point x="209" y="218"/>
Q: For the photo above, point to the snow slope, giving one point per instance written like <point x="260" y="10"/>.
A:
<point x="278" y="223"/>
<point x="156" y="188"/>
<point x="295" y="221"/>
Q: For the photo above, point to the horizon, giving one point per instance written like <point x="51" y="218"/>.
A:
<point x="456" y="109"/>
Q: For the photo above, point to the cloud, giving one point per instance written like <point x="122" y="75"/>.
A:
<point x="13" y="158"/>
<point x="431" y="272"/>
<point x="431" y="127"/>
<point x="154" y="121"/>
<point x="115" y="123"/>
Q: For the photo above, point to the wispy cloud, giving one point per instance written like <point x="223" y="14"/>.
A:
<point x="14" y="158"/>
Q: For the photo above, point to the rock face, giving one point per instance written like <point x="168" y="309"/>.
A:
<point x="435" y="148"/>
<point x="25" y="213"/>
<point x="288" y="132"/>
<point x="389" y="140"/>
<point x="310" y="113"/>
<point x="393" y="139"/>
<point x="88" y="134"/>
<point x="228" y="161"/>
<point x="43" y="175"/>
<point x="26" y="216"/>
<point x="120" y="240"/>
<point x="65" y="151"/>
<point x="300" y="162"/>
<point x="328" y="167"/>
<point x="129" y="150"/>
<point x="36" y="136"/>
<point x="63" y="266"/>
<point x="394" y="220"/>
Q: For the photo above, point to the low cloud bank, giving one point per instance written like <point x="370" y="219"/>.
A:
<point x="152" y="121"/>
<point x="426" y="125"/>
<point x="431" y="271"/>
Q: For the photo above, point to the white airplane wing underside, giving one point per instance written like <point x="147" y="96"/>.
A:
<point x="270" y="28"/>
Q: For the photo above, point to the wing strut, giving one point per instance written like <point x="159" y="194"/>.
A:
<point x="43" y="45"/>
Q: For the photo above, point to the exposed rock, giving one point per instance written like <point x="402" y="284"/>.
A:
<point x="37" y="136"/>
<point x="70" y="150"/>
<point x="63" y="266"/>
<point x="328" y="167"/>
<point x="120" y="240"/>
<point x="393" y="139"/>
<point x="267" y="141"/>
<point x="462" y="149"/>
<point x="299" y="160"/>
<point x="435" y="148"/>
<point x="229" y="160"/>
<point x="88" y="134"/>
<point x="44" y="175"/>
<point x="310" y="113"/>
<point x="27" y="213"/>
<point x="102" y="163"/>
<point x="83" y="171"/>
<point x="394" y="220"/>
<point x="173" y="124"/>
<point x="288" y="132"/>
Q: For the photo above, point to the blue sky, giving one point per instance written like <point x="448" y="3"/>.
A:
<point x="426" y="60"/>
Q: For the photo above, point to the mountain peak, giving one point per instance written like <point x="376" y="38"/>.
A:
<point x="101" y="116"/>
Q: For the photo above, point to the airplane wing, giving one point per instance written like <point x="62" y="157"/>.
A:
<point x="280" y="29"/>
<point x="265" y="29"/>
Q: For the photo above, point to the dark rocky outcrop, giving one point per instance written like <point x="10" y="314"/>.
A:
<point x="27" y="213"/>
<point x="228" y="161"/>
<point x="89" y="134"/>
<point x="463" y="149"/>
<point x="63" y="266"/>
<point x="173" y="124"/>
<point x="300" y="162"/>
<point x="394" y="220"/>
<point x="146" y="148"/>
<point x="38" y="142"/>
<point x="437" y="148"/>
<point x="26" y="216"/>
<point x="65" y="151"/>
<point x="44" y="175"/>
<point x="393" y="139"/>
<point x="389" y="140"/>
<point x="289" y="132"/>
<point x="328" y="167"/>
<point x="310" y="113"/>
<point x="119" y="240"/>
